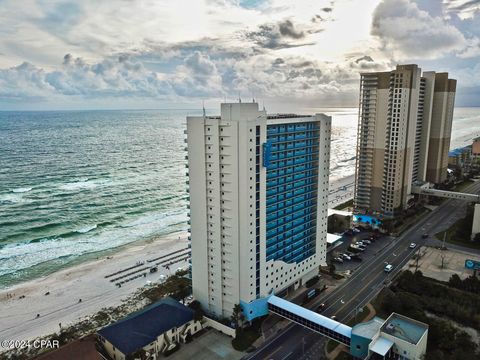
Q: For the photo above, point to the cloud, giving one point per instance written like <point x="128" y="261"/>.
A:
<point x="287" y="29"/>
<point x="295" y="52"/>
<point x="120" y="77"/>
<point x="405" y="31"/>
<point x="281" y="35"/>
<point x="24" y="82"/>
<point x="463" y="8"/>
<point x="198" y="77"/>
<point x="364" y="58"/>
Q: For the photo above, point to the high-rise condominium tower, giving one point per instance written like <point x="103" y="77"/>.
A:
<point x="404" y="127"/>
<point x="258" y="188"/>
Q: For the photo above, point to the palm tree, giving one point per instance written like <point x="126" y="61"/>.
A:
<point x="237" y="315"/>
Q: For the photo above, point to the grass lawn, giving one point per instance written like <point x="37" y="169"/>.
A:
<point x="343" y="356"/>
<point x="452" y="239"/>
<point x="331" y="345"/>
<point x="463" y="185"/>
<point x="361" y="315"/>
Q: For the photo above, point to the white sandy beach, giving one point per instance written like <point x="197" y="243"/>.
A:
<point x="18" y="317"/>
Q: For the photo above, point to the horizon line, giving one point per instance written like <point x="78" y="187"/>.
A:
<point x="194" y="109"/>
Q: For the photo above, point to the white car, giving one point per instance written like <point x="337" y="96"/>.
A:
<point x="388" y="268"/>
<point x="346" y="257"/>
<point x="413" y="246"/>
<point x="368" y="242"/>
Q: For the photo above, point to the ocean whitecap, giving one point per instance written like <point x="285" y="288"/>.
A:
<point x="86" y="229"/>
<point x="22" y="190"/>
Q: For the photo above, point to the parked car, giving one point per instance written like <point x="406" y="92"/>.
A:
<point x="368" y="242"/>
<point x="413" y="246"/>
<point x="388" y="268"/>
<point x="346" y="257"/>
<point x="356" y="230"/>
<point x="356" y="248"/>
<point x="337" y="259"/>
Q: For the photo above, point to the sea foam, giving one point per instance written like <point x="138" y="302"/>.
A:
<point x="22" y="190"/>
<point x="86" y="229"/>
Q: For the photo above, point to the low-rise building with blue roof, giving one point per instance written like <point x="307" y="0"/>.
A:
<point x="157" y="329"/>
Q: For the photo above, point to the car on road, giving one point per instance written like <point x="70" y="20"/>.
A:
<point x="320" y="307"/>
<point x="388" y="268"/>
<point x="424" y="236"/>
<point x="333" y="317"/>
<point x="412" y="245"/>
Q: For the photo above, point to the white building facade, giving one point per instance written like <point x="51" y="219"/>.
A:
<point x="258" y="188"/>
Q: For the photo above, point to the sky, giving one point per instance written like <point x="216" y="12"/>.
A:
<point x="288" y="55"/>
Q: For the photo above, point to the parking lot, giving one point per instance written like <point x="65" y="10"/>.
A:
<point x="370" y="251"/>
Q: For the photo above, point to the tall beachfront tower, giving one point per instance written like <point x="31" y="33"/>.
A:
<point x="441" y="127"/>
<point x="258" y="188"/>
<point x="403" y="136"/>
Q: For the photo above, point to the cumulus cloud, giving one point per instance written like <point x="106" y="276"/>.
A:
<point x="408" y="32"/>
<point x="24" y="82"/>
<point x="111" y="77"/>
<point x="197" y="77"/>
<point x="303" y="51"/>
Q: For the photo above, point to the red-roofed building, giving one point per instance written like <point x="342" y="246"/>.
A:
<point x="82" y="349"/>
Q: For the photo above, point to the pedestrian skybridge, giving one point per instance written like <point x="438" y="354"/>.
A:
<point x="310" y="319"/>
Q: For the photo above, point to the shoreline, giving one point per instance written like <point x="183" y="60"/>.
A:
<point x="86" y="281"/>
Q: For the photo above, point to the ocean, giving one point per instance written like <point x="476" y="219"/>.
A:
<point x="75" y="185"/>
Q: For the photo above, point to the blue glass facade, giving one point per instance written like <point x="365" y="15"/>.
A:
<point x="291" y="190"/>
<point x="257" y="210"/>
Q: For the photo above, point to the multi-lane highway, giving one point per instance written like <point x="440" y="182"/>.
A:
<point x="294" y="342"/>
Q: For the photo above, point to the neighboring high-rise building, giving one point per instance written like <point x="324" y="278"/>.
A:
<point x="441" y="128"/>
<point x="403" y="136"/>
<point x="258" y="188"/>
